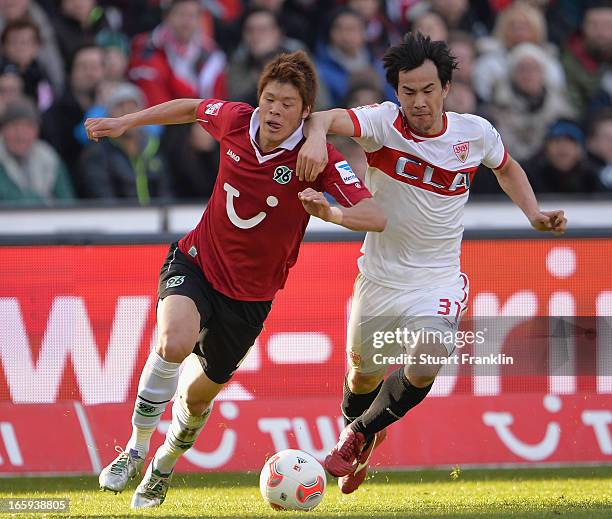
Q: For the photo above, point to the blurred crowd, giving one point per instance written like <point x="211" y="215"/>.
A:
<point x="540" y="70"/>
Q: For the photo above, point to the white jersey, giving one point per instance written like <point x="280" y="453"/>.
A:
<point x="422" y="183"/>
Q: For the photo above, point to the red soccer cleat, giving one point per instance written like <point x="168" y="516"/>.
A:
<point x="341" y="460"/>
<point x="351" y="482"/>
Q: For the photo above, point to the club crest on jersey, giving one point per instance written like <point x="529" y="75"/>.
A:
<point x="462" y="150"/>
<point x="282" y="174"/>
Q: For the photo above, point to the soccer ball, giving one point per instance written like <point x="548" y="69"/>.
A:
<point x="292" y="480"/>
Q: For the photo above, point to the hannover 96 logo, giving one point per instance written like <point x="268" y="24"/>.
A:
<point x="282" y="174"/>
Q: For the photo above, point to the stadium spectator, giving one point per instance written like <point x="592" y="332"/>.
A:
<point x="344" y="52"/>
<point x="21" y="41"/>
<point x="463" y="47"/>
<point x="127" y="167"/>
<point x="262" y="40"/>
<point x="139" y="16"/>
<point x="518" y="23"/>
<point x="561" y="166"/>
<point x="116" y="54"/>
<point x="193" y="161"/>
<point x="461" y="15"/>
<point x="527" y="103"/>
<point x="289" y="17"/>
<point x="431" y="24"/>
<point x="31" y="172"/>
<point x="11" y="88"/>
<point x="177" y="59"/>
<point x="599" y="146"/>
<point x="364" y="88"/>
<point x="49" y="56"/>
<point x="588" y="55"/>
<point x="380" y="32"/>
<point x="462" y="99"/>
<point x="77" y="24"/>
<point x="61" y="124"/>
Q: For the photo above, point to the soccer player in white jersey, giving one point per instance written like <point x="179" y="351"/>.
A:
<point x="421" y="161"/>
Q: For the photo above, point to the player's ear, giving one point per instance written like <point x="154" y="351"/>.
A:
<point x="306" y="112"/>
<point x="445" y="89"/>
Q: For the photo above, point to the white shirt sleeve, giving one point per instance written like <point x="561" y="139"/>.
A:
<point x="495" y="154"/>
<point x="372" y="122"/>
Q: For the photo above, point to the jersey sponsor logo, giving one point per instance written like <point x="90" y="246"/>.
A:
<point x="347" y="174"/>
<point x="233" y="155"/>
<point x="413" y="170"/>
<point x="175" y="281"/>
<point x="239" y="222"/>
<point x="282" y="174"/>
<point x="462" y="150"/>
<point x="213" y="108"/>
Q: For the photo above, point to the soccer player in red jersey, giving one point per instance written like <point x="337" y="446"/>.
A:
<point x="217" y="284"/>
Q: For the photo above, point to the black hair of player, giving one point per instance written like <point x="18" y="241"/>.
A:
<point x="414" y="50"/>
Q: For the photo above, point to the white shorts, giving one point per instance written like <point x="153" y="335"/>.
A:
<point x="379" y="312"/>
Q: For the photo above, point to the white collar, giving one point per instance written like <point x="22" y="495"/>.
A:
<point x="288" y="144"/>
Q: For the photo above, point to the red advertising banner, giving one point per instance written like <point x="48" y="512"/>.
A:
<point x="240" y="435"/>
<point x="77" y="323"/>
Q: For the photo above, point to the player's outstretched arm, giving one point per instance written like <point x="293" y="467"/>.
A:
<point x="177" y="111"/>
<point x="514" y="182"/>
<point x="312" y="157"/>
<point x="365" y="215"/>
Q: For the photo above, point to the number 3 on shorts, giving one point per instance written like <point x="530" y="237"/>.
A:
<point x="445" y="306"/>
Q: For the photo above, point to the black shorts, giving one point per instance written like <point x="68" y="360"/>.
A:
<point x="228" y="327"/>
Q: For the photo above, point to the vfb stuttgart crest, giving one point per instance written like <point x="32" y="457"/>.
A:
<point x="462" y="150"/>
<point x="282" y="174"/>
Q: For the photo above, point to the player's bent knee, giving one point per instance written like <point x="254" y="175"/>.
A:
<point x="360" y="384"/>
<point x="174" y="345"/>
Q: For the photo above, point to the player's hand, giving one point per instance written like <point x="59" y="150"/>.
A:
<point x="105" y="127"/>
<point x="315" y="203"/>
<point x="312" y="158"/>
<point x="549" y="221"/>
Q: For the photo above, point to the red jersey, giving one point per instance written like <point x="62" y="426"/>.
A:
<point x="250" y="233"/>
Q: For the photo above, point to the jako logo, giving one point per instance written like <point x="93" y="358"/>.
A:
<point x="233" y="155"/>
<point x="175" y="281"/>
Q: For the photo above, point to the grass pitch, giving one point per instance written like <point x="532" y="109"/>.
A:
<point x="508" y="493"/>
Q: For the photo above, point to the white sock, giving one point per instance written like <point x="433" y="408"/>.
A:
<point x="181" y="435"/>
<point x="156" y="388"/>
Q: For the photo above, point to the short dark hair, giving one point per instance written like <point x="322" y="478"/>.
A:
<point x="19" y="25"/>
<point x="414" y="50"/>
<point x="296" y="69"/>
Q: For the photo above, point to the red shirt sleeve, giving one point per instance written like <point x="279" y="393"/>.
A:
<point x="339" y="180"/>
<point x="217" y="116"/>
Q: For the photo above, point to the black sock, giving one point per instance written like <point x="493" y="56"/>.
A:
<point x="397" y="396"/>
<point x="354" y="405"/>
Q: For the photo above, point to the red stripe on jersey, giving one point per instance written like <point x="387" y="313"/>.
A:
<point x="504" y="160"/>
<point x="356" y="125"/>
<point x="417" y="172"/>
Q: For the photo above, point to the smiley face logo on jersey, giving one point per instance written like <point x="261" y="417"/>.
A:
<point x="241" y="223"/>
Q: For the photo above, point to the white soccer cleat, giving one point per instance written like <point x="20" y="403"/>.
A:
<point x="126" y="466"/>
<point x="152" y="489"/>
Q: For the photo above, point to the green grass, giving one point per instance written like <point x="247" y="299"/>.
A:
<point x="584" y="492"/>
